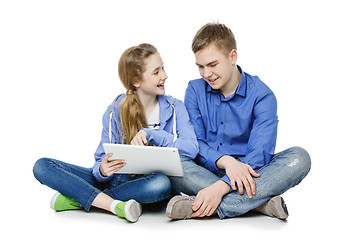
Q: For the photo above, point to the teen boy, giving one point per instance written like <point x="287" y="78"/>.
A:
<point x="234" y="115"/>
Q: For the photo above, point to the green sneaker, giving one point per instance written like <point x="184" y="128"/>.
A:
<point x="60" y="202"/>
<point x="131" y="210"/>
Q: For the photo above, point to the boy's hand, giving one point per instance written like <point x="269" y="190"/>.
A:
<point x="208" y="199"/>
<point x="239" y="173"/>
<point x="140" y="138"/>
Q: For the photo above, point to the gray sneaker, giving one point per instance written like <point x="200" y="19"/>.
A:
<point x="275" y="207"/>
<point x="180" y="207"/>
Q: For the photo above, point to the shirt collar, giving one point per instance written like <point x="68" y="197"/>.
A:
<point x="241" y="89"/>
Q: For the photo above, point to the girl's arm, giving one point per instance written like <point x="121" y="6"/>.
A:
<point x="186" y="140"/>
<point x="107" y="121"/>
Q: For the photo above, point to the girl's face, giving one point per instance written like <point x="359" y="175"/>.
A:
<point x="153" y="78"/>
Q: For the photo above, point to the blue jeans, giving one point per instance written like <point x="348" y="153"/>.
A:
<point x="286" y="170"/>
<point x="78" y="183"/>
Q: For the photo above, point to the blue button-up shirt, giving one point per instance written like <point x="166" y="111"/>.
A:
<point x="242" y="125"/>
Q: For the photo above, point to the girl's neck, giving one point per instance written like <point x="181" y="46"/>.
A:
<point x="148" y="101"/>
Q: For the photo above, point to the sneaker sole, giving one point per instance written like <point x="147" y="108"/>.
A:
<point x="132" y="210"/>
<point x="53" y="200"/>
<point x="284" y="207"/>
<point x="281" y="212"/>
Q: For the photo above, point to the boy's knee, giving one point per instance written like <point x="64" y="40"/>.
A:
<point x="301" y="158"/>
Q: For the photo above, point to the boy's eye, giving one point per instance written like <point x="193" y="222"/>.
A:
<point x="156" y="73"/>
<point x="213" y="65"/>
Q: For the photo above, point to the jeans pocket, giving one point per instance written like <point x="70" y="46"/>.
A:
<point x="117" y="180"/>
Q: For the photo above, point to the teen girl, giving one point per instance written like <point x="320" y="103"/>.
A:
<point x="142" y="116"/>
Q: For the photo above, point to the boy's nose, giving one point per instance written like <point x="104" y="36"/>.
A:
<point x="207" y="73"/>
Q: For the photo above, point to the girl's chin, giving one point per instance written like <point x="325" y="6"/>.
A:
<point x="161" y="91"/>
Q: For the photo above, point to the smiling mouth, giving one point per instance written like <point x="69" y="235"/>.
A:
<point x="213" y="80"/>
<point x="161" y="85"/>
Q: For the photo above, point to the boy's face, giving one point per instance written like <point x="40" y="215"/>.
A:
<point x="215" y="67"/>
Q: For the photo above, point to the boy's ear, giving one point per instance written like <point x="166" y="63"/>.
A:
<point x="233" y="56"/>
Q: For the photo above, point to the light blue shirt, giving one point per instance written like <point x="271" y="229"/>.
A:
<point x="162" y="136"/>
<point x="243" y="125"/>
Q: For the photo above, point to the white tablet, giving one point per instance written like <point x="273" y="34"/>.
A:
<point x="146" y="159"/>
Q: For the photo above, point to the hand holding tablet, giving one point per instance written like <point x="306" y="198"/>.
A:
<point x="144" y="159"/>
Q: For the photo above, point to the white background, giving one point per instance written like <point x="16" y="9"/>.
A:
<point x="58" y="72"/>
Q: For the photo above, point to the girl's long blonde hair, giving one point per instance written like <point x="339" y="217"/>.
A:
<point x="131" y="68"/>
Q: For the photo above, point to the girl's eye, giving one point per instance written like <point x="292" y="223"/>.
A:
<point x="156" y="73"/>
<point x="213" y="65"/>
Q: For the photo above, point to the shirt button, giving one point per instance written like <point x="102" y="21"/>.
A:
<point x="220" y="144"/>
<point x="222" y="123"/>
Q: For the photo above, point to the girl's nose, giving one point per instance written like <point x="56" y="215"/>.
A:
<point x="164" y="76"/>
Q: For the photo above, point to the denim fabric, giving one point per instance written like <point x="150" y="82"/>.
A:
<point x="78" y="183"/>
<point x="285" y="170"/>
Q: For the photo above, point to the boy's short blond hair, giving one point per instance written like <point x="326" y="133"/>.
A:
<point x="217" y="34"/>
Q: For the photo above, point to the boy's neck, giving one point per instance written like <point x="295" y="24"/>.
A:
<point x="230" y="87"/>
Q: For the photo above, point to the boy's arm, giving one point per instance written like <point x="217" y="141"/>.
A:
<point x="209" y="198"/>
<point x="261" y="146"/>
<point x="207" y="155"/>
<point x="262" y="140"/>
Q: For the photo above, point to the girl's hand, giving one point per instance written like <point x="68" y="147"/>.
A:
<point x="108" y="168"/>
<point x="140" y="138"/>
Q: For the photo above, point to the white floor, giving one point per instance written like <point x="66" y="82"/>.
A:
<point x="310" y="216"/>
